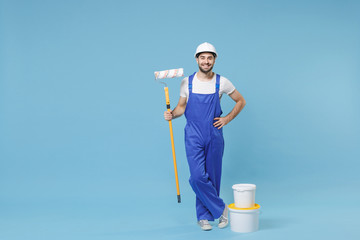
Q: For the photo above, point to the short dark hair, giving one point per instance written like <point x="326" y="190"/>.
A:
<point x="197" y="55"/>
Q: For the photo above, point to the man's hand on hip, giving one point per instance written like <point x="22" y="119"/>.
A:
<point x="220" y="122"/>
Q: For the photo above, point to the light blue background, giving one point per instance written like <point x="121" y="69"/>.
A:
<point x="85" y="152"/>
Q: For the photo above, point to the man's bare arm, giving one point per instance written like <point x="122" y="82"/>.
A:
<point x="177" y="111"/>
<point x="240" y="104"/>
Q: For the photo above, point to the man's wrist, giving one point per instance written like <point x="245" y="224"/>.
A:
<point x="228" y="119"/>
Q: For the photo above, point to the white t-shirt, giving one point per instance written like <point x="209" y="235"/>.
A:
<point x="207" y="87"/>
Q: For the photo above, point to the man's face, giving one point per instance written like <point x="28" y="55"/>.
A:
<point x="206" y="62"/>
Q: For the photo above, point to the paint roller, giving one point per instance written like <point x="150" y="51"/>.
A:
<point x="172" y="73"/>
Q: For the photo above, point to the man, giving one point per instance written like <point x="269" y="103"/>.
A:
<point x="200" y="96"/>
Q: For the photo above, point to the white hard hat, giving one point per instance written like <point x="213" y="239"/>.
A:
<point x="205" y="47"/>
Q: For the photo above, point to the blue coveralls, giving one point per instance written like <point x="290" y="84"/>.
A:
<point x="204" y="145"/>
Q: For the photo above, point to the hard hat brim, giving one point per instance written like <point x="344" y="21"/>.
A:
<point x="197" y="54"/>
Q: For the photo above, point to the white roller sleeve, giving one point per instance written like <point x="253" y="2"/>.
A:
<point x="172" y="73"/>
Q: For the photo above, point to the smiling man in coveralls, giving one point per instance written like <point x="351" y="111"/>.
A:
<point x="200" y="96"/>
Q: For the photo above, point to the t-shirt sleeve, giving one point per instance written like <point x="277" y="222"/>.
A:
<point x="184" y="87"/>
<point x="227" y="86"/>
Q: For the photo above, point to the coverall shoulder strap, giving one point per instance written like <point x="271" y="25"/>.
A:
<point x="217" y="82"/>
<point x="191" y="77"/>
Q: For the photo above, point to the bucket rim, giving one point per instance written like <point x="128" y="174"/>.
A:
<point x="236" y="209"/>
<point x="244" y="187"/>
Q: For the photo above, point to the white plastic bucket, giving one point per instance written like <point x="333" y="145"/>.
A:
<point x="244" y="221"/>
<point x="244" y="195"/>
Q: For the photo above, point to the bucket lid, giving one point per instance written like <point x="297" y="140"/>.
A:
<point x="232" y="206"/>
<point x="244" y="187"/>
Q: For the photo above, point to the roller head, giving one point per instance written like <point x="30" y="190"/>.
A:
<point x="172" y="73"/>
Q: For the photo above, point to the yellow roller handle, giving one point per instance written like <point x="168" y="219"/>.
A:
<point x="172" y="144"/>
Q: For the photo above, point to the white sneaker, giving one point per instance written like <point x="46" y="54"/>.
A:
<point x="205" y="225"/>
<point x="223" y="220"/>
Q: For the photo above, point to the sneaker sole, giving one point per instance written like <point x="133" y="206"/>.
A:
<point x="223" y="226"/>
<point x="206" y="229"/>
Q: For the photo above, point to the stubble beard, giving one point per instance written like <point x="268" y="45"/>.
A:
<point x="205" y="71"/>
